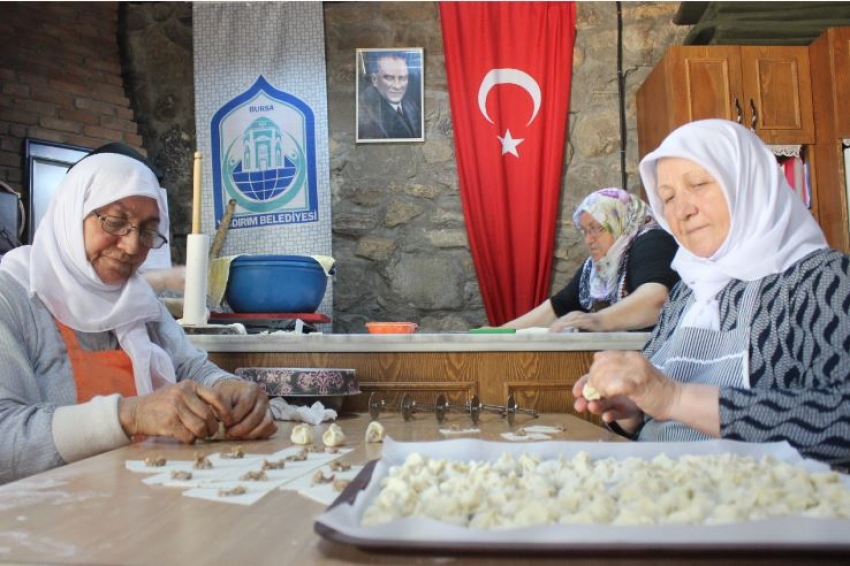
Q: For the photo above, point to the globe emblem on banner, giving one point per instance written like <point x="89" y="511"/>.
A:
<point x="264" y="158"/>
<point x="264" y="168"/>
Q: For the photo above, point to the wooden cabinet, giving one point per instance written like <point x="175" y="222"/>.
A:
<point x="542" y="381"/>
<point x="831" y="78"/>
<point x="537" y="370"/>
<point x="830" y="59"/>
<point x="765" y="88"/>
<point x="795" y="95"/>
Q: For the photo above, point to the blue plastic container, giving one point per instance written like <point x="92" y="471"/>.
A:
<point x="275" y="284"/>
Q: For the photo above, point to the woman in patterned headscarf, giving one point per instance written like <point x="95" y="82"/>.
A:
<point x="626" y="279"/>
<point x="90" y="356"/>
<point x="753" y="343"/>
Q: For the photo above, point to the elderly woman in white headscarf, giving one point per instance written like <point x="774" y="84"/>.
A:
<point x="754" y="343"/>
<point x="90" y="357"/>
<point x="626" y="279"/>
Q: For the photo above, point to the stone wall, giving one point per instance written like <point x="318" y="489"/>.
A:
<point x="399" y="234"/>
<point x="156" y="43"/>
<point x="398" y="231"/>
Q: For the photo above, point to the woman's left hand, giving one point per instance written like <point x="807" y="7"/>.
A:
<point x="249" y="410"/>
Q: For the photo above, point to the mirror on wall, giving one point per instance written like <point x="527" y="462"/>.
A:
<point x="45" y="164"/>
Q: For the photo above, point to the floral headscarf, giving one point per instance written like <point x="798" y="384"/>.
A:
<point x="624" y="216"/>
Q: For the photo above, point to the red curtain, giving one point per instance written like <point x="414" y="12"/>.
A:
<point x="509" y="66"/>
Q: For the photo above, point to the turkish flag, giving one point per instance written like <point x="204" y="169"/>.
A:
<point x="509" y="66"/>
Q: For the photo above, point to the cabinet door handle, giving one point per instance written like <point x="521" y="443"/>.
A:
<point x="755" y="117"/>
<point x="740" y="114"/>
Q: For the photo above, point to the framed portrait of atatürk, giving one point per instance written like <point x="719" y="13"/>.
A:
<point x="390" y="95"/>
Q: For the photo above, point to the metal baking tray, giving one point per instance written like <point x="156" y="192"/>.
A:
<point x="340" y="521"/>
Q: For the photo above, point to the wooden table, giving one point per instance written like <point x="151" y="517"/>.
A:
<point x="96" y="512"/>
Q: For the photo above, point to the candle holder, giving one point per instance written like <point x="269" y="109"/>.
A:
<point x="410" y="407"/>
<point x="471" y="407"/>
<point x="376" y="403"/>
<point x="511" y="410"/>
<point x="476" y="407"/>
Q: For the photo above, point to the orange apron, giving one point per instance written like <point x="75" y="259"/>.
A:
<point x="98" y="373"/>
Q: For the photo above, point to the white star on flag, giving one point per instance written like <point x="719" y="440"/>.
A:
<point x="509" y="143"/>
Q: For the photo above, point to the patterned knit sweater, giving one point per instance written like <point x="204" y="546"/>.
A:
<point x="799" y="358"/>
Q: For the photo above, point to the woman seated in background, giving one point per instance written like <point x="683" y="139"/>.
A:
<point x="90" y="356"/>
<point x="170" y="279"/>
<point x="754" y="343"/>
<point x="624" y="282"/>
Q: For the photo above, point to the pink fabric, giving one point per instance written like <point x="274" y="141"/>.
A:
<point x="509" y="66"/>
<point x="788" y="169"/>
<point x="794" y="170"/>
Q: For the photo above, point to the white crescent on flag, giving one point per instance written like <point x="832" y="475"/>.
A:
<point x="508" y="76"/>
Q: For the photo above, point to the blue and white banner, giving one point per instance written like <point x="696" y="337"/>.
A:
<point x="264" y="158"/>
<point x="261" y="115"/>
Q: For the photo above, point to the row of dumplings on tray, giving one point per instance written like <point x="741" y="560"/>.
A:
<point x="527" y="490"/>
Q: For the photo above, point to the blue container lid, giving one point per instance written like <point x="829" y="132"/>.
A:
<point x="276" y="259"/>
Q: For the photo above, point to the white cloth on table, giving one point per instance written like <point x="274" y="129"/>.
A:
<point x="315" y="414"/>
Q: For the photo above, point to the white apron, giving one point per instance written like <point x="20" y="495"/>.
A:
<point x="698" y="355"/>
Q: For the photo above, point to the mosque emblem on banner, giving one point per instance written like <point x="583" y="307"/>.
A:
<point x="264" y="157"/>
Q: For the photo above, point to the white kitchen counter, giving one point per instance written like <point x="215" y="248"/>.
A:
<point x="423" y="342"/>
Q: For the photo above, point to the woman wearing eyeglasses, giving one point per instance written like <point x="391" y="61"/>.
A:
<point x="625" y="281"/>
<point x="90" y="356"/>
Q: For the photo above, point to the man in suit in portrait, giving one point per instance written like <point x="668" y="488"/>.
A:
<point x="384" y="112"/>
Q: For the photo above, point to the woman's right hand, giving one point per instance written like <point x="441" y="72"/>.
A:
<point x="620" y="375"/>
<point x="186" y="411"/>
<point x="577" y="320"/>
<point x="608" y="408"/>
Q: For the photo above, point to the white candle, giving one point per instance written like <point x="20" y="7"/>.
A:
<point x="196" y="195"/>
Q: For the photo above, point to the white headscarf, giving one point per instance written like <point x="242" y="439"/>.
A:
<point x="56" y="270"/>
<point x="770" y="229"/>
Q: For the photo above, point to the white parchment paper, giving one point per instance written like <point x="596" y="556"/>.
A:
<point x="344" y="520"/>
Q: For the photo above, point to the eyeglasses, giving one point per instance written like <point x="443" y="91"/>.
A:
<point x="593" y="231"/>
<point x="118" y="226"/>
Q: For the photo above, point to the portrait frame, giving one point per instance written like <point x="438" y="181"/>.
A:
<point x="384" y="111"/>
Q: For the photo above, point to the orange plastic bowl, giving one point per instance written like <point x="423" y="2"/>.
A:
<point x="391" y="327"/>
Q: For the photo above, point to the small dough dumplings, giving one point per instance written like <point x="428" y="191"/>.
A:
<point x="375" y="432"/>
<point x="334" y="436"/>
<point x="301" y="434"/>
<point x="590" y="393"/>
